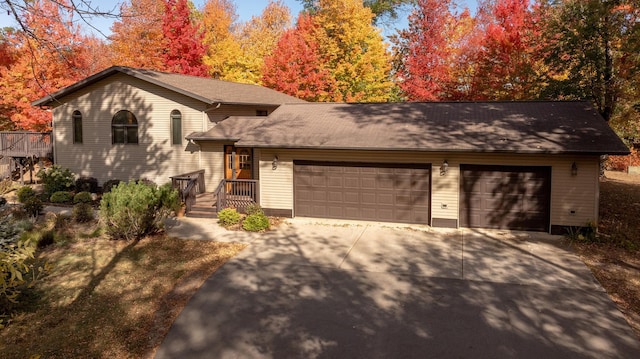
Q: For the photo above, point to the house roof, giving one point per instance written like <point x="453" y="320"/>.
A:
<point x="520" y="127"/>
<point x="207" y="90"/>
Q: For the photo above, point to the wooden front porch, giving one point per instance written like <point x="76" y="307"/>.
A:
<point x="238" y="194"/>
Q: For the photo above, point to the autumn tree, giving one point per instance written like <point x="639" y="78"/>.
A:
<point x="507" y="65"/>
<point x="184" y="49"/>
<point x="380" y="8"/>
<point x="296" y="66"/>
<point x="424" y="66"/>
<point x="257" y="38"/>
<point x="50" y="57"/>
<point x="137" y="39"/>
<point x="589" y="43"/>
<point x="356" y="55"/>
<point x="222" y="46"/>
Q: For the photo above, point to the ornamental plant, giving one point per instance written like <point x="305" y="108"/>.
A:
<point x="56" y="178"/>
<point x="255" y="222"/>
<point x="132" y="210"/>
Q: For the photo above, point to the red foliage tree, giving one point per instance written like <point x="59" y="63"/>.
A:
<point x="295" y="66"/>
<point x="183" y="41"/>
<point x="505" y="56"/>
<point x="425" y="67"/>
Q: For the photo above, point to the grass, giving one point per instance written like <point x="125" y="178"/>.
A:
<point x="614" y="256"/>
<point x="105" y="298"/>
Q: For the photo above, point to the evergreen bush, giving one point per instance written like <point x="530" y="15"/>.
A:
<point x="82" y="197"/>
<point x="255" y="222"/>
<point x="86" y="184"/>
<point x="107" y="186"/>
<point x="24" y="193"/>
<point x="132" y="210"/>
<point x="228" y="217"/>
<point x="254" y="209"/>
<point x="61" y="197"/>
<point x="83" y="212"/>
<point x="33" y="206"/>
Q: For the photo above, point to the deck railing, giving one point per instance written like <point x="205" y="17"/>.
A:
<point x="25" y="144"/>
<point x="238" y="194"/>
<point x="189" y="185"/>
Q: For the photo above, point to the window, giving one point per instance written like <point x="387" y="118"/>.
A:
<point x="77" y="126"/>
<point x="124" y="128"/>
<point x="262" y="113"/>
<point x="176" y="127"/>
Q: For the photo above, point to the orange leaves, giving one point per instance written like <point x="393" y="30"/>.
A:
<point x="137" y="39"/>
<point x="50" y="56"/>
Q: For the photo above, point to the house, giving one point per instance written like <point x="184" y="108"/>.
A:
<point x="517" y="165"/>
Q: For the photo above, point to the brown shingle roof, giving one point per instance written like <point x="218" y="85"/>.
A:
<point x="521" y="127"/>
<point x="207" y="90"/>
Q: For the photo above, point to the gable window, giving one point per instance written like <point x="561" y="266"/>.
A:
<point x="77" y="126"/>
<point x="176" y="127"/>
<point x="124" y="128"/>
<point x="262" y="113"/>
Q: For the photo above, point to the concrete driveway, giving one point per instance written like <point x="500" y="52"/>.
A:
<point x="365" y="291"/>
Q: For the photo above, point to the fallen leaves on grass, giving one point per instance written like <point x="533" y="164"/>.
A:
<point x="615" y="259"/>
<point x="111" y="299"/>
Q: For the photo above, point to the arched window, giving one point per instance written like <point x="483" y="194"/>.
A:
<point x="124" y="128"/>
<point x="176" y="127"/>
<point x="77" y="126"/>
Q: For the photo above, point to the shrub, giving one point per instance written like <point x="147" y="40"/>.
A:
<point x="82" y="197"/>
<point x="46" y="239"/>
<point x="33" y="206"/>
<point x="16" y="256"/>
<point x="87" y="184"/>
<point x="56" y="178"/>
<point x="6" y="185"/>
<point x="3" y="201"/>
<point x="9" y="231"/>
<point x="83" y="212"/>
<point x="107" y="186"/>
<point x="61" y="197"/>
<point x="146" y="181"/>
<point x="132" y="210"/>
<point x="255" y="222"/>
<point x="24" y="193"/>
<point x="228" y="217"/>
<point x="254" y="209"/>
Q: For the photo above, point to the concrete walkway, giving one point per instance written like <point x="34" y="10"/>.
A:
<point x="308" y="290"/>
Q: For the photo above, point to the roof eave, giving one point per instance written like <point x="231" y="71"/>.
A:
<point x="442" y="150"/>
<point x="47" y="100"/>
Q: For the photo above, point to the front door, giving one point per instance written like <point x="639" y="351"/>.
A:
<point x="238" y="163"/>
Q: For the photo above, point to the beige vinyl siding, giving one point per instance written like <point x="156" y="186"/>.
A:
<point x="154" y="157"/>
<point x="212" y="161"/>
<point x="568" y="193"/>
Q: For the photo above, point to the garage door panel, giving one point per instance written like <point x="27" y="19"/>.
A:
<point x="512" y="197"/>
<point x="394" y="193"/>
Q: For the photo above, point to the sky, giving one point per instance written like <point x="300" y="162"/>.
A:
<point x="244" y="8"/>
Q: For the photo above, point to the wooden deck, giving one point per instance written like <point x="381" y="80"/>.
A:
<point x="26" y="144"/>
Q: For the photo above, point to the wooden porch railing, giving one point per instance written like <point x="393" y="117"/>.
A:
<point x="239" y="194"/>
<point x="26" y="144"/>
<point x="189" y="185"/>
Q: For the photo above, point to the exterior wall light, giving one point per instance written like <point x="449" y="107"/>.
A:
<point x="444" y="168"/>
<point x="274" y="164"/>
<point x="574" y="169"/>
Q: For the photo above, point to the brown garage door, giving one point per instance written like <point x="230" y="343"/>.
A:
<point x="362" y="191"/>
<point x="510" y="197"/>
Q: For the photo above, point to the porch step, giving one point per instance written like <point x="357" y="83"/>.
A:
<point x="205" y="207"/>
